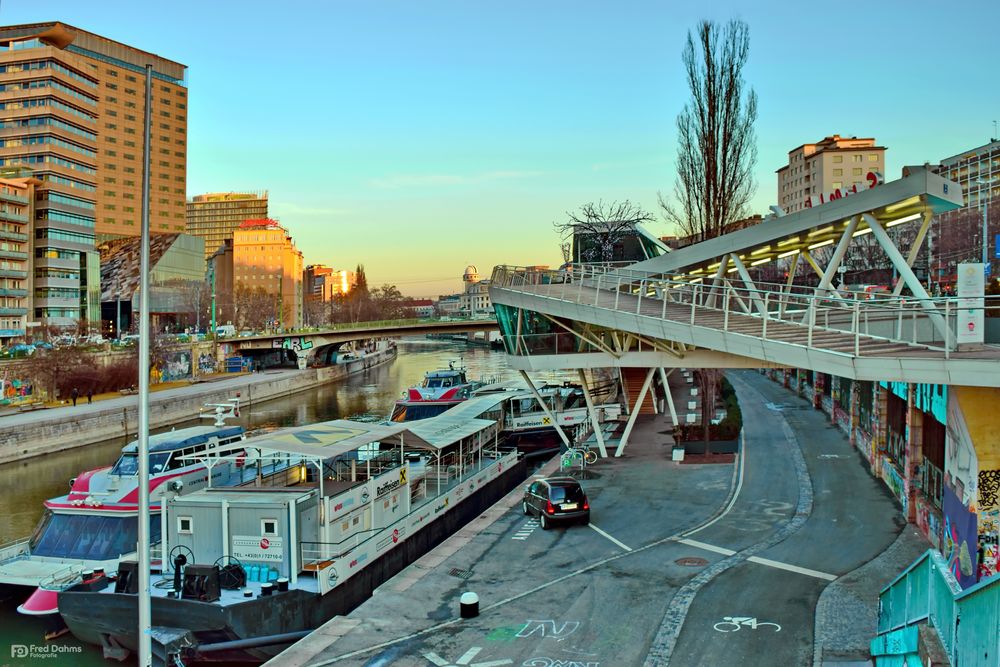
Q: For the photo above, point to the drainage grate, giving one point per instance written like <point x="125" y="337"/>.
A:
<point x="691" y="561"/>
<point x="460" y="573"/>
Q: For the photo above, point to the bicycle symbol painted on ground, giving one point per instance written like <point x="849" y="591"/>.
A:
<point x="737" y="623"/>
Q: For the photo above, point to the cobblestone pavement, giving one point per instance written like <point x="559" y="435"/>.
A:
<point x="847" y="611"/>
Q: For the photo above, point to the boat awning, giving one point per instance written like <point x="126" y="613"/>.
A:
<point x="444" y="431"/>
<point x="327" y="440"/>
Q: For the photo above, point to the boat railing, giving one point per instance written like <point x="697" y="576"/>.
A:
<point x="62" y="579"/>
<point x="15" y="549"/>
<point x="317" y="556"/>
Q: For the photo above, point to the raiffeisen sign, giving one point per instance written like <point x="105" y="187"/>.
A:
<point x="872" y="178"/>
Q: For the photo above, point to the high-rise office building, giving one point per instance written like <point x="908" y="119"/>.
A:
<point x="835" y="163"/>
<point x="214" y="216"/>
<point x="265" y="257"/>
<point x="73" y="114"/>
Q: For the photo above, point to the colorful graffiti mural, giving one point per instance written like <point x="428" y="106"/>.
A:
<point x="929" y="520"/>
<point x="207" y="363"/>
<point x="961" y="543"/>
<point x="894" y="480"/>
<point x="961" y="463"/>
<point x="297" y="343"/>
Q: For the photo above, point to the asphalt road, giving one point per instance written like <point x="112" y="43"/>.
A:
<point x="620" y="592"/>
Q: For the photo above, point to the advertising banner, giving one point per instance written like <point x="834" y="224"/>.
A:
<point x="971" y="289"/>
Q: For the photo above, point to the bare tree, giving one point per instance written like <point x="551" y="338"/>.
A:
<point x="594" y="232"/>
<point x="717" y="148"/>
<point x="256" y="308"/>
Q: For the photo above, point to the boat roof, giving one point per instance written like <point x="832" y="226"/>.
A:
<point x="184" y="437"/>
<point x="450" y="372"/>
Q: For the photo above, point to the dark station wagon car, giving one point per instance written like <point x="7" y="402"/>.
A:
<point x="556" y="499"/>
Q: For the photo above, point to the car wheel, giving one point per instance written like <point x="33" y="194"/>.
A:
<point x="524" y="507"/>
<point x="546" y="524"/>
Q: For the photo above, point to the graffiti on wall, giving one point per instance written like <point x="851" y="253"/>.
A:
<point x="989" y="488"/>
<point x="989" y="536"/>
<point x="176" y="366"/>
<point x="961" y="541"/>
<point x="929" y="521"/>
<point x="961" y="463"/>
<point x="207" y="363"/>
<point x="297" y="343"/>
<point x="895" y="482"/>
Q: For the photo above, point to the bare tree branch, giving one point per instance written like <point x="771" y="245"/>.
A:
<point x="603" y="225"/>
<point x="716" y="144"/>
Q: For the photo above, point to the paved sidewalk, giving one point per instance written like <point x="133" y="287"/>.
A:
<point x="847" y="611"/>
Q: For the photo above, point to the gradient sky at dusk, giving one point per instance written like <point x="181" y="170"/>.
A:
<point x="418" y="137"/>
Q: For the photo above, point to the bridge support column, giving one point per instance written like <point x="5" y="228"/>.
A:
<point x="594" y="422"/>
<point x="670" y="399"/>
<point x="914" y="451"/>
<point x="635" y="412"/>
<point x="545" y="408"/>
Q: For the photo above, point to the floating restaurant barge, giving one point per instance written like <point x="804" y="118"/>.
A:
<point x="248" y="570"/>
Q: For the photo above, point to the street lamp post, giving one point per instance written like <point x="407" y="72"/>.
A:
<point x="984" y="202"/>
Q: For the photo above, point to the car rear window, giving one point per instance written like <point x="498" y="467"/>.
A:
<point x="558" y="494"/>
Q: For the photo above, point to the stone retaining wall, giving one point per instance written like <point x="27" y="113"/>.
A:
<point x="62" y="433"/>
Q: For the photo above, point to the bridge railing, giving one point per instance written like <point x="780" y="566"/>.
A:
<point x="927" y="323"/>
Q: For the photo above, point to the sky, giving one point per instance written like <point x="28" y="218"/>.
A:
<point x="419" y="137"/>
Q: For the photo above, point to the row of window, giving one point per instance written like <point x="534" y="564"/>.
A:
<point x="39" y="102"/>
<point x="47" y="159"/>
<point x="60" y="235"/>
<point x="32" y="65"/>
<point x="56" y="293"/>
<point x="59" y="198"/>
<point x="47" y="83"/>
<point x="62" y="216"/>
<point x="48" y="121"/>
<point x="46" y="313"/>
<point x="127" y="66"/>
<point x="57" y="273"/>
<point x="56" y="253"/>
<point x="62" y="180"/>
<point x="47" y="140"/>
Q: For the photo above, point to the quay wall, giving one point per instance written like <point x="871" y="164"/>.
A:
<point x="47" y="436"/>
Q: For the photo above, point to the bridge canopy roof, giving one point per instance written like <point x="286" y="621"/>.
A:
<point x="920" y="191"/>
<point x="340" y="437"/>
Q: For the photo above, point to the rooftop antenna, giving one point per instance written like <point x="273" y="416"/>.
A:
<point x="223" y="411"/>
<point x="995" y="135"/>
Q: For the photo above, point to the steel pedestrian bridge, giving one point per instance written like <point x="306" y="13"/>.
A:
<point x="700" y="307"/>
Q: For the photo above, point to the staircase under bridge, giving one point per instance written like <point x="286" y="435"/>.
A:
<point x="701" y="307"/>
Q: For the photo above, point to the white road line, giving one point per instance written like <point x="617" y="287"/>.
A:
<point x="601" y="532"/>
<point x="758" y="560"/>
<point x="792" y="568"/>
<point x="739" y="485"/>
<point x="707" y="547"/>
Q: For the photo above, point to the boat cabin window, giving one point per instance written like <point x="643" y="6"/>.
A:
<point x="128" y="464"/>
<point x="185" y="525"/>
<point x="268" y="527"/>
<point x="89" y="537"/>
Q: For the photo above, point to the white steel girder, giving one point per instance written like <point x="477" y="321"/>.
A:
<point x="635" y="412"/>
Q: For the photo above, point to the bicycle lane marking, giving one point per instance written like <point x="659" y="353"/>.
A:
<point x="601" y="532"/>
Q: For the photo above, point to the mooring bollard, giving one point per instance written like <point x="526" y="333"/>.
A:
<point x="469" y="603"/>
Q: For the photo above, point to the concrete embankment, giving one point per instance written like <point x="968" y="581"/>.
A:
<point x="40" y="432"/>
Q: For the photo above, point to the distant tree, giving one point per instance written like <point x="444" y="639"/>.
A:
<point x="717" y="150"/>
<point x="47" y="367"/>
<point x="596" y="229"/>
<point x="255" y="307"/>
<point x="388" y="303"/>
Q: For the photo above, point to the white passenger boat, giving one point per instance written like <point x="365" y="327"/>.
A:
<point x="262" y="564"/>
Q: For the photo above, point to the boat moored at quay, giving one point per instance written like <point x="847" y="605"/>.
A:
<point x="246" y="570"/>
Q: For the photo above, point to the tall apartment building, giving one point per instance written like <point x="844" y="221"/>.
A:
<point x="16" y="199"/>
<point x="831" y="164"/>
<point x="73" y="107"/>
<point x="214" y="216"/>
<point x="265" y="257"/>
<point x="957" y="236"/>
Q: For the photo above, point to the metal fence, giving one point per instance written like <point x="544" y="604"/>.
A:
<point x="968" y="622"/>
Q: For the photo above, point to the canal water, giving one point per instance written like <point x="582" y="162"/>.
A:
<point x="24" y="485"/>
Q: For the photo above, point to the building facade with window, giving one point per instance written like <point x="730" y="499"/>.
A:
<point x="832" y="164"/>
<point x="16" y="210"/>
<point x="73" y="116"/>
<point x="957" y="235"/>
<point x="216" y="215"/>
<point x="266" y="260"/>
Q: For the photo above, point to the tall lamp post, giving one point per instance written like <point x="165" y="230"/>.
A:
<point x="984" y="202"/>
<point x="144" y="639"/>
